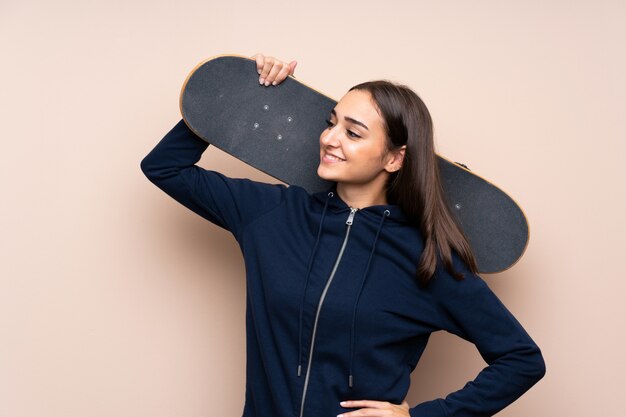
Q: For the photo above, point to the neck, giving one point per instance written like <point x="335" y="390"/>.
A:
<point x="361" y="195"/>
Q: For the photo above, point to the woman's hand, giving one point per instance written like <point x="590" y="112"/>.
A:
<point x="273" y="71"/>
<point x="375" y="409"/>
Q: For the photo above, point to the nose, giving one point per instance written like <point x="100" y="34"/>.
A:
<point x="329" y="137"/>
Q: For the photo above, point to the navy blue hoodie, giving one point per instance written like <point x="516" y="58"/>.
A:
<point x="333" y="308"/>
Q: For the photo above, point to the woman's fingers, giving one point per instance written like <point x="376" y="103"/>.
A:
<point x="271" y="70"/>
<point x="375" y="408"/>
<point x="268" y="63"/>
<point x="292" y="67"/>
<point x="260" y="60"/>
<point x="282" y="74"/>
<point x="274" y="71"/>
<point x="288" y="69"/>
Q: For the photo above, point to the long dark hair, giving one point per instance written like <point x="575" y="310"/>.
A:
<point x="416" y="186"/>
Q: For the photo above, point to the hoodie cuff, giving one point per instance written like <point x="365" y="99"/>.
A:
<point x="428" y="409"/>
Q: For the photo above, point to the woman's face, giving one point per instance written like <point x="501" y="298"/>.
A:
<point x="356" y="135"/>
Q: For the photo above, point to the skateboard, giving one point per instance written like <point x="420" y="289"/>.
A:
<point x="276" y="129"/>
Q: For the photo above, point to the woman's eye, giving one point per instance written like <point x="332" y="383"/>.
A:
<point x="351" y="133"/>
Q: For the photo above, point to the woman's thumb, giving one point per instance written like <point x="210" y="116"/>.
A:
<point x="292" y="67"/>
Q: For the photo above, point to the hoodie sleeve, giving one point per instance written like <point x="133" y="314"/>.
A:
<point x="470" y="310"/>
<point x="230" y="203"/>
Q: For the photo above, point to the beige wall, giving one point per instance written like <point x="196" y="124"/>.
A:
<point x="117" y="301"/>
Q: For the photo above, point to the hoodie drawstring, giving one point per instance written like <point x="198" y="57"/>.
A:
<point x="352" y="332"/>
<point x="308" y="273"/>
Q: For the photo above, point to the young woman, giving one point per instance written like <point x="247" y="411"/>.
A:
<point x="345" y="286"/>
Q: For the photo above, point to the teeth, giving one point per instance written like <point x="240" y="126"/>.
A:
<point x="333" y="157"/>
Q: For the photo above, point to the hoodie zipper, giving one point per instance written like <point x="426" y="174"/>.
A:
<point x="319" y="305"/>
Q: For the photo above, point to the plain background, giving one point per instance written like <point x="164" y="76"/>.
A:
<point x="115" y="300"/>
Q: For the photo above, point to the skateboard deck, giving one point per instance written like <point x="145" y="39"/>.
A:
<point x="276" y="129"/>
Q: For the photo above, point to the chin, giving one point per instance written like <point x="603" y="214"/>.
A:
<point x="324" y="175"/>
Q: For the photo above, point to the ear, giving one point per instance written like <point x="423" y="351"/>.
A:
<point x="396" y="159"/>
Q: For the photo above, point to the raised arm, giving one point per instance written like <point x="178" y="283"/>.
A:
<point x="230" y="203"/>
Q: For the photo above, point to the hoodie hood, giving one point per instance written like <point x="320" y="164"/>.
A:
<point x="385" y="214"/>
<point x="337" y="205"/>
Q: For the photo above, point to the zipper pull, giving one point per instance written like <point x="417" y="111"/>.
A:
<point x="351" y="216"/>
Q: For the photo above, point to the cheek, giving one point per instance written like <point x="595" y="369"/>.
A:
<point x="360" y="154"/>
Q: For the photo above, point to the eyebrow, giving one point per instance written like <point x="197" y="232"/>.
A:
<point x="350" y="119"/>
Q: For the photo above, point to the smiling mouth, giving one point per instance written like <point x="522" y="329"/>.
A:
<point x="330" y="158"/>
